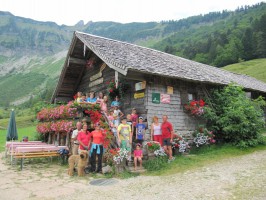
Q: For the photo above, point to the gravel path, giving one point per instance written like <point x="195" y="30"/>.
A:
<point x="242" y="177"/>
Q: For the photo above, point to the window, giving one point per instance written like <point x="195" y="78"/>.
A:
<point x="248" y="95"/>
<point x="191" y="96"/>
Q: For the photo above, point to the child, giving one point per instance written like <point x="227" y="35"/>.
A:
<point x="116" y="102"/>
<point x="138" y="155"/>
<point x="118" y="113"/>
<point x="134" y="117"/>
<point x="115" y="123"/>
<point x="129" y="122"/>
<point x="140" y="130"/>
<point x="103" y="104"/>
<point x="83" y="99"/>
<point x="124" y="135"/>
<point x="100" y="98"/>
<point x="111" y="116"/>
<point x="79" y="94"/>
<point x="91" y="99"/>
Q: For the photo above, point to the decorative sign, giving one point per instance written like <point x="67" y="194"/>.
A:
<point x="139" y="95"/>
<point x="99" y="74"/>
<point x="96" y="76"/>
<point x="170" y="90"/>
<point x="156" y="98"/>
<point x="165" y="98"/>
<point x="140" y="86"/>
<point x="102" y="67"/>
<point x="96" y="82"/>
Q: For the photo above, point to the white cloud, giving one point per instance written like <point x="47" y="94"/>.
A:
<point x="70" y="12"/>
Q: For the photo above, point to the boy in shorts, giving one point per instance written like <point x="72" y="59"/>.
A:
<point x="124" y="135"/>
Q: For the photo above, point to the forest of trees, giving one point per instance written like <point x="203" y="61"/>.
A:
<point x="230" y="40"/>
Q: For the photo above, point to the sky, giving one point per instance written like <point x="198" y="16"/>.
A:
<point x="69" y="12"/>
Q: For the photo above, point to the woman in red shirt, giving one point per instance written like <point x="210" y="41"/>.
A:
<point x="84" y="137"/>
<point x="96" y="148"/>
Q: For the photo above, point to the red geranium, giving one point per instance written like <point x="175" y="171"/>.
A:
<point x="195" y="107"/>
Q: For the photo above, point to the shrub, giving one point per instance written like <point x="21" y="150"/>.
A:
<point x="234" y="117"/>
<point x="156" y="164"/>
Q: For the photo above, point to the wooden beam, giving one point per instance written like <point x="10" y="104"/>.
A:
<point x="79" y="79"/>
<point x="77" y="61"/>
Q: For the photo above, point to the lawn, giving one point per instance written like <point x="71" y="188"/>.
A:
<point x="199" y="157"/>
<point x="21" y="121"/>
<point x="27" y="131"/>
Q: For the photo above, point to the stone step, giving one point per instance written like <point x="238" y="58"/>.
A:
<point x="138" y="170"/>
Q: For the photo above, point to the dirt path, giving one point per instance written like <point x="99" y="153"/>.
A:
<point x="236" y="178"/>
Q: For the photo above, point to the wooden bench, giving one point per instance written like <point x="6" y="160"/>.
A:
<point x="42" y="154"/>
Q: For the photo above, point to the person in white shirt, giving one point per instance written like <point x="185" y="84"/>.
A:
<point x="75" y="143"/>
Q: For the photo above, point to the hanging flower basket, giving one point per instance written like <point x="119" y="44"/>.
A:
<point x="119" y="91"/>
<point x="195" y="108"/>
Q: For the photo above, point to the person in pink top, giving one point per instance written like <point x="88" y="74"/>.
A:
<point x="103" y="104"/>
<point x="100" y="98"/>
<point x="84" y="137"/>
<point x="138" y="155"/>
<point x="134" y="117"/>
<point x="134" y="120"/>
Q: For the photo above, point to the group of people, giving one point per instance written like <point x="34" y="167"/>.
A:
<point x="102" y="100"/>
<point x="128" y="130"/>
<point x="82" y="139"/>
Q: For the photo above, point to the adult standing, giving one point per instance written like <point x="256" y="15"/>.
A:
<point x="84" y="137"/>
<point x="167" y="136"/>
<point x="74" y="138"/>
<point x="96" y="148"/>
<point x="156" y="131"/>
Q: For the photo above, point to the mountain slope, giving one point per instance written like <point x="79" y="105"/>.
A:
<point x="32" y="53"/>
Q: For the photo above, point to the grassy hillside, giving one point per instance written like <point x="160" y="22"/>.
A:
<point x="38" y="75"/>
<point x="254" y="68"/>
<point x="27" y="131"/>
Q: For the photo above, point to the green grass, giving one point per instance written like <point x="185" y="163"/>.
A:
<point x="27" y="131"/>
<point x="254" y="68"/>
<point x="21" y="122"/>
<point x="20" y="85"/>
<point x="202" y="157"/>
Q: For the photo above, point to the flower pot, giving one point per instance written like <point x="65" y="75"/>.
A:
<point x="119" y="168"/>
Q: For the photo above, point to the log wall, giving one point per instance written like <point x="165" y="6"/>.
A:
<point x="182" y="122"/>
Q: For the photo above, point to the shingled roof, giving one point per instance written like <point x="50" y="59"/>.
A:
<point x="123" y="57"/>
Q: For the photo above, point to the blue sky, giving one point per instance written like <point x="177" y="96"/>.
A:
<point x="69" y="12"/>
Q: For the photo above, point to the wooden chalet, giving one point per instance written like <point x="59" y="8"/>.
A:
<point x="160" y="83"/>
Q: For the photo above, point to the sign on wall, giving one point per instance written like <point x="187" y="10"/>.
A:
<point x="156" y="98"/>
<point x="140" y="86"/>
<point x="96" y="82"/>
<point x="165" y="98"/>
<point x="170" y="90"/>
<point x="139" y="95"/>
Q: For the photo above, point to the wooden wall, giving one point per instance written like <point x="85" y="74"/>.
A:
<point x="182" y="122"/>
<point x="107" y="75"/>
